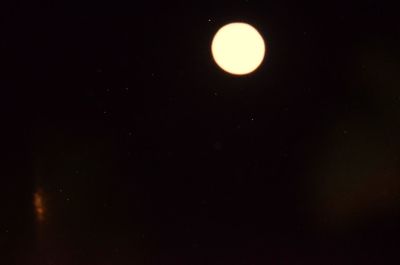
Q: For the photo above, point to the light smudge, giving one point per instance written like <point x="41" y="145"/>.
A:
<point x="39" y="205"/>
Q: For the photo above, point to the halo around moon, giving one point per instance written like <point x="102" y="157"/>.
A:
<point x="238" y="48"/>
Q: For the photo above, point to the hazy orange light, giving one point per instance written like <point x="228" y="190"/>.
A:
<point x="38" y="203"/>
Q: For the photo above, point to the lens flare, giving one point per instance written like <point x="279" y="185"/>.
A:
<point x="39" y="205"/>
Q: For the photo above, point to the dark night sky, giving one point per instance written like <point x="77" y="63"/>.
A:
<point x="145" y="152"/>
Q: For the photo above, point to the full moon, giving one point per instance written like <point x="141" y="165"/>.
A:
<point x="238" y="48"/>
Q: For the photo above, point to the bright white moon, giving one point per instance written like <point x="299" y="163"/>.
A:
<point x="238" y="48"/>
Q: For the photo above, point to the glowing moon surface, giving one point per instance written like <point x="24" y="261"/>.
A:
<point x="238" y="48"/>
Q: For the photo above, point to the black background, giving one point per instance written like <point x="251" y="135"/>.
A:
<point x="145" y="152"/>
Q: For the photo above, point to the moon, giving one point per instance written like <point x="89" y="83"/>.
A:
<point x="238" y="48"/>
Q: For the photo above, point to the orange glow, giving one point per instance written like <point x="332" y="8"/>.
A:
<point x="38" y="203"/>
